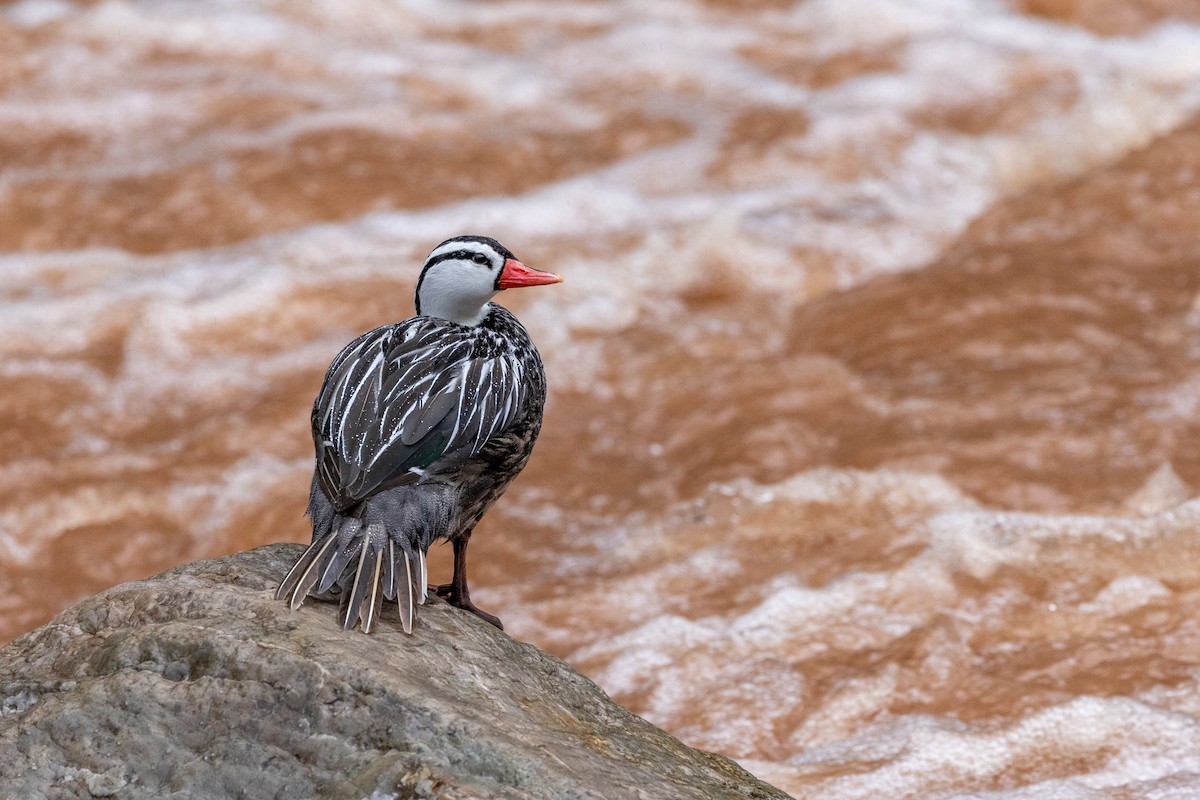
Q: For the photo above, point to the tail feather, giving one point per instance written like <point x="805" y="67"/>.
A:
<point x="371" y="552"/>
<point x="404" y="592"/>
<point x="303" y="573"/>
<point x="352" y="600"/>
<point x="305" y="584"/>
<point x="389" y="571"/>
<point x="306" y="561"/>
<point x="423" y="581"/>
<point x="340" y="558"/>
<point x="369" y="568"/>
<point x="373" y="602"/>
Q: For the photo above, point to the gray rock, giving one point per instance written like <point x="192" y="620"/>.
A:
<point x="196" y="683"/>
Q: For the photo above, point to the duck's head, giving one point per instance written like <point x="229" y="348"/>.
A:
<point x="462" y="274"/>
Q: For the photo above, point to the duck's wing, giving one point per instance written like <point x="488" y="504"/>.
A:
<point x="403" y="397"/>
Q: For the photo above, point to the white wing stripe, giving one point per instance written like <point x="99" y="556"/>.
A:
<point x="361" y="384"/>
<point x="389" y="389"/>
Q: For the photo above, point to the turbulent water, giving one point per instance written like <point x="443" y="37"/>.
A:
<point x="872" y="435"/>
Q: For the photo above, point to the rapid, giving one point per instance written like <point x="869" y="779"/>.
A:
<point x="870" y="457"/>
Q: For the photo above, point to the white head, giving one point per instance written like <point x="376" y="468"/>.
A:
<point x="462" y="274"/>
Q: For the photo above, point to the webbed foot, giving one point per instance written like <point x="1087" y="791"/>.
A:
<point x="463" y="600"/>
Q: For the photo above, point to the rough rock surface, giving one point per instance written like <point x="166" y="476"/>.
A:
<point x="196" y="683"/>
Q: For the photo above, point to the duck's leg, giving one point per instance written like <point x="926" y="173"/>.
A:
<point x="456" y="592"/>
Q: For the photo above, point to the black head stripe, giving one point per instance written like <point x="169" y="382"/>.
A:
<point x="465" y="255"/>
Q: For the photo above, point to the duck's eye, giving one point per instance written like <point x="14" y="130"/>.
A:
<point x="481" y="259"/>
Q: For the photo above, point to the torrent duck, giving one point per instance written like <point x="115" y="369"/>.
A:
<point x="419" y="427"/>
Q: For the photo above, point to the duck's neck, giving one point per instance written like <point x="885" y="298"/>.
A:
<point x="440" y="296"/>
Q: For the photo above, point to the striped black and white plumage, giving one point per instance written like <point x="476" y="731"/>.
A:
<point x="418" y="428"/>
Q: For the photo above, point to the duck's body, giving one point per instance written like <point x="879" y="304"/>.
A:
<point x="418" y="428"/>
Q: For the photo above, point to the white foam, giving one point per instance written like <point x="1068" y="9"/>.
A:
<point x="1070" y="750"/>
<point x="1131" y="90"/>
<point x="1126" y="593"/>
<point x="980" y="542"/>
<point x="34" y="13"/>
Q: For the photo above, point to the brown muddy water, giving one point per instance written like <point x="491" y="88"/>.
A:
<point x="872" y="444"/>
